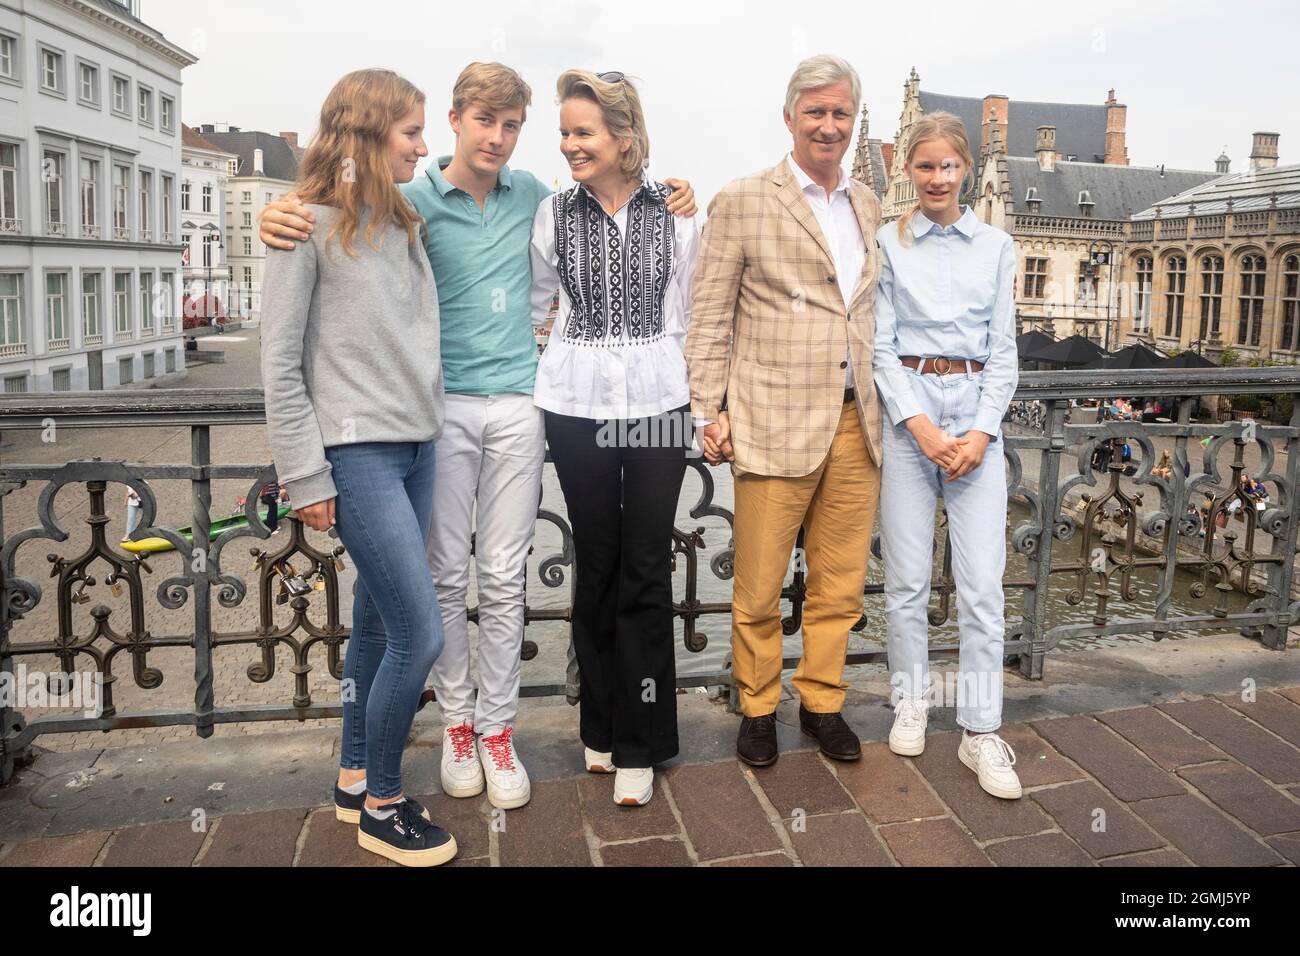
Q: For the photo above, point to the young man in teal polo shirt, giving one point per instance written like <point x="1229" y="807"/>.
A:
<point x="479" y="215"/>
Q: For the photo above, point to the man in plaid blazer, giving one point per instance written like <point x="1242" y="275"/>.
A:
<point x="780" y="337"/>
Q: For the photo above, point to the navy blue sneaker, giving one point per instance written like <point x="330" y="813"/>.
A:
<point x="348" y="807"/>
<point x="405" y="836"/>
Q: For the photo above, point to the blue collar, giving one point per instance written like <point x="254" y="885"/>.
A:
<point x="444" y="185"/>
<point x="966" y="224"/>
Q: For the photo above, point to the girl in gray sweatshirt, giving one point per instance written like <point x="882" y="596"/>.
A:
<point x="354" y="402"/>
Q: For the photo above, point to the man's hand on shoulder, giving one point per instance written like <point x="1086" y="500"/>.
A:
<point x="681" y="202"/>
<point x="284" y="221"/>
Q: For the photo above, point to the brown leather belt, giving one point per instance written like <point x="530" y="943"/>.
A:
<point x="940" y="365"/>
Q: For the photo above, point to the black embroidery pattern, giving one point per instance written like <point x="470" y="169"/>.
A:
<point x="612" y="287"/>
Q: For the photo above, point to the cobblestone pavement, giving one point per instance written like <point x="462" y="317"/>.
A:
<point x="1203" y="781"/>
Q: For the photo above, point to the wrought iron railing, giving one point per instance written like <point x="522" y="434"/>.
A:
<point x="1156" y="537"/>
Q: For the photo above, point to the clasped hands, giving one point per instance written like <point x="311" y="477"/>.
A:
<point x="715" y="440"/>
<point x="956" y="455"/>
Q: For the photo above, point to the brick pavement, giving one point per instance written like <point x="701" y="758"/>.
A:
<point x="1209" y="781"/>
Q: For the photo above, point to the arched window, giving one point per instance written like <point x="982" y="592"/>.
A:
<point x="1290" y="303"/>
<point x="1142" y="295"/>
<point x="1251" y="300"/>
<point x="1176" y="285"/>
<point x="1211" y="295"/>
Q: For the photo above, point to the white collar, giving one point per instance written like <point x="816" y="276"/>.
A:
<point x="805" y="180"/>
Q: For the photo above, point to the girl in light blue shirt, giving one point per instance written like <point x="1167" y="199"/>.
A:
<point x="946" y="368"/>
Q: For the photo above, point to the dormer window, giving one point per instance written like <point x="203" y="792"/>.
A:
<point x="1085" y="203"/>
<point x="1031" y="199"/>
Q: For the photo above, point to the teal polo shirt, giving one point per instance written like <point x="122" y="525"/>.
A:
<point x="483" y="271"/>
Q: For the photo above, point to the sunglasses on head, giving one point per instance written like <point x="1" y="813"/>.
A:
<point x="612" y="76"/>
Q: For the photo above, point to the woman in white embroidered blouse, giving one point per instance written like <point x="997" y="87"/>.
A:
<point x="613" y="385"/>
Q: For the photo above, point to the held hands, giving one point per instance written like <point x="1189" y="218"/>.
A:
<point x="284" y="221"/>
<point x="681" y="201"/>
<point x="318" y="517"/>
<point x="715" y="439"/>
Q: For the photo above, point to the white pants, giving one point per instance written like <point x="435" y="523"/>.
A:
<point x="976" y="505"/>
<point x="489" y="455"/>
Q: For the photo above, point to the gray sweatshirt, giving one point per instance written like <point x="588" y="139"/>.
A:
<point x="349" y="351"/>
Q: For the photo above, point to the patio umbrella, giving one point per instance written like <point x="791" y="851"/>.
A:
<point x="1132" y="356"/>
<point x="1187" y="359"/>
<point x="1076" y="350"/>
<point x="1032" y="341"/>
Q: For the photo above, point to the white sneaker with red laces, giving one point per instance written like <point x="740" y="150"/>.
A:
<point x="507" y="780"/>
<point x="462" y="774"/>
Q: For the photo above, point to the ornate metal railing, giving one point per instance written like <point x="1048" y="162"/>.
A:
<point x="1128" y="525"/>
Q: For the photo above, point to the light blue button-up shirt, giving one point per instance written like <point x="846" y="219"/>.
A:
<point x="947" y="293"/>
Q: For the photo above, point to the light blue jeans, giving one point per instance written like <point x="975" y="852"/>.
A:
<point x="385" y="500"/>
<point x="977" y="516"/>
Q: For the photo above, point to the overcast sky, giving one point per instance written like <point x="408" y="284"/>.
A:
<point x="1198" y="76"/>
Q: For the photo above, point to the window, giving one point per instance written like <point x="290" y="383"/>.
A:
<point x="232" y="166"/>
<point x="148" y="364"/>
<point x="1035" y="278"/>
<point x="269" y="199"/>
<point x="1142" y="294"/>
<point x="248" y="245"/>
<point x="1211" y="295"/>
<point x="56" y="310"/>
<point x="51" y="71"/>
<point x="11" y="309"/>
<point x="15" y="383"/>
<point x="1086" y="284"/>
<point x="88" y="83"/>
<point x="144" y="105"/>
<point x="186" y="254"/>
<point x="165" y="225"/>
<point x="146" y="303"/>
<point x="146" y="208"/>
<point x="185" y="195"/>
<point x="63" y="379"/>
<point x="1251" y="301"/>
<point x="248" y="220"/>
<point x="89" y="198"/>
<point x="207" y="197"/>
<point x="166" y="298"/>
<point x="121" y="186"/>
<point x="1291" y="303"/>
<point x="167" y="113"/>
<point x="9" y="188"/>
<point x="126" y="370"/>
<point x="209" y="242"/>
<point x="169" y="360"/>
<point x="121" y="95"/>
<point x="246" y="196"/>
<point x="92" y="325"/>
<point x="52" y="174"/>
<point x="122" y="304"/>
<point x="1176" y="276"/>
<point x="8" y="57"/>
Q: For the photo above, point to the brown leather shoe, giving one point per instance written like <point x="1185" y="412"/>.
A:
<point x="756" y="743"/>
<point x="836" y="738"/>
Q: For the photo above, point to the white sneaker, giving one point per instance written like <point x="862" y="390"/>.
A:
<point x="597" y="762"/>
<point x="992" y="759"/>
<point x="462" y="774"/>
<point x="633" y="787"/>
<point x="507" y="780"/>
<point x="907" y="736"/>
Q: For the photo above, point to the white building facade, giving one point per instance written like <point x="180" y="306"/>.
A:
<point x="90" y="171"/>
<point x="204" y="175"/>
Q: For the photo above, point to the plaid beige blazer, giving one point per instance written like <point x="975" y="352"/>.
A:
<point x="769" y="328"/>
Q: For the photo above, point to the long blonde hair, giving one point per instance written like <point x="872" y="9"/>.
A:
<point x="347" y="164"/>
<point x="932" y="126"/>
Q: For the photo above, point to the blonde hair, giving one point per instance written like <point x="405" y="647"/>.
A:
<point x="347" y="164"/>
<point x="932" y="126"/>
<point x="819" y="71"/>
<point x="620" y="107"/>
<point x="495" y="85"/>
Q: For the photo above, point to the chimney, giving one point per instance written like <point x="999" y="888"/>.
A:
<point x="1045" y="148"/>
<point x="1223" y="164"/>
<point x="290" y="138"/>
<point x="1263" y="151"/>
<point x="1116" y="118"/>
<point x="258" y="168"/>
<point x="994" y="110"/>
